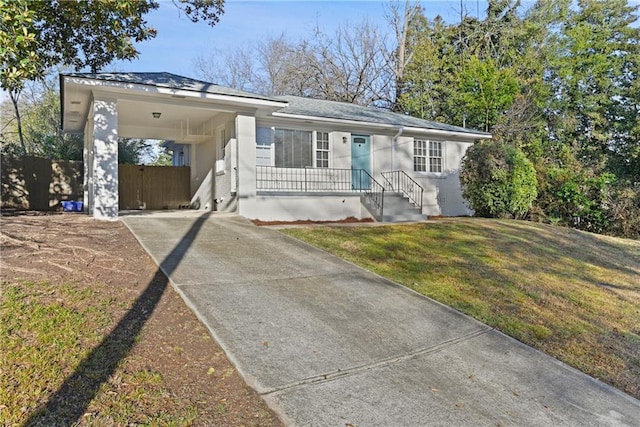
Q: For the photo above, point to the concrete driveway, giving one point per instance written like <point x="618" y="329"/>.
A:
<point x="327" y="343"/>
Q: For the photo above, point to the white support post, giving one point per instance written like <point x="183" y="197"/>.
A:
<point x="87" y="156"/>
<point x="105" y="159"/>
<point x="246" y="140"/>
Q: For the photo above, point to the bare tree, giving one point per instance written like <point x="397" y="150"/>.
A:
<point x="232" y="69"/>
<point x="401" y="18"/>
<point x="350" y="65"/>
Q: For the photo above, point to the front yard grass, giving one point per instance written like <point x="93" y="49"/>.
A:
<point x="573" y="295"/>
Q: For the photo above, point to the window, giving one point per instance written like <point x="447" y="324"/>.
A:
<point x="427" y="156"/>
<point x="419" y="155"/>
<point x="291" y="148"/>
<point x="322" y="149"/>
<point x="435" y="156"/>
<point x="264" y="147"/>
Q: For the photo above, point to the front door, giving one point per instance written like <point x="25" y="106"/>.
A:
<point x="360" y="161"/>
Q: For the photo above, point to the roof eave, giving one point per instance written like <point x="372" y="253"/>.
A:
<point x="387" y="126"/>
<point x="467" y="135"/>
<point x="192" y="93"/>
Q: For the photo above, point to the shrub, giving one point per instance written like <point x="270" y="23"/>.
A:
<point x="498" y="180"/>
<point x="575" y="197"/>
<point x="624" y="211"/>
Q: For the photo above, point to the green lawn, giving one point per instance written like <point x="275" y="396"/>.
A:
<point x="573" y="295"/>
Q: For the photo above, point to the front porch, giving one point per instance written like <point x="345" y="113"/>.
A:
<point x="331" y="193"/>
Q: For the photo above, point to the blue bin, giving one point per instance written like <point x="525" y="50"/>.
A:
<point x="71" y="206"/>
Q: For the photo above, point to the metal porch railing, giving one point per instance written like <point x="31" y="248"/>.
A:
<point x="309" y="179"/>
<point x="399" y="181"/>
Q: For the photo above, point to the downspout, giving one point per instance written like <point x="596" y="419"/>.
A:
<point x="394" y="144"/>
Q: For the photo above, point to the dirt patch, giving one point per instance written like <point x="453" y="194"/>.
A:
<point x="349" y="220"/>
<point x="75" y="249"/>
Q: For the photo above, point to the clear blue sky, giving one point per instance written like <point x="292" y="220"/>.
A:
<point x="179" y="41"/>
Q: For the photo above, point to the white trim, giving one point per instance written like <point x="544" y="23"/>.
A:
<point x="315" y="149"/>
<point x="428" y="157"/>
<point x="443" y="133"/>
<point x="190" y="93"/>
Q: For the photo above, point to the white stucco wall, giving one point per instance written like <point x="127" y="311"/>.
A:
<point x="442" y="192"/>
<point x="225" y="177"/>
<point x="341" y="151"/>
<point x="314" y="207"/>
<point x="381" y="156"/>
<point x="203" y="158"/>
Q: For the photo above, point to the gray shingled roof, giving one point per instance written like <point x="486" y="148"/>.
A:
<point x="345" y="111"/>
<point x="172" y="81"/>
<point x="296" y="105"/>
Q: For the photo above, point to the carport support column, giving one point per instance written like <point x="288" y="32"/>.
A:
<point x="87" y="156"/>
<point x="246" y="140"/>
<point x="105" y="159"/>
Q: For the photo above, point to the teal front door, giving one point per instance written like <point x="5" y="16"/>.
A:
<point x="360" y="161"/>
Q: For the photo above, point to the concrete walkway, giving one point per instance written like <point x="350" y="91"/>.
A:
<point x="329" y="344"/>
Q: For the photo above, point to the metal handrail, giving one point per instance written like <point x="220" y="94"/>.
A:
<point x="375" y="191"/>
<point x="401" y="182"/>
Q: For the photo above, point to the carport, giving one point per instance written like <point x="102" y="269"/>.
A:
<point x="108" y="106"/>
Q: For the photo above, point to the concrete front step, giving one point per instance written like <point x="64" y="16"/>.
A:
<point x="403" y="217"/>
<point x="391" y="209"/>
<point x="397" y="208"/>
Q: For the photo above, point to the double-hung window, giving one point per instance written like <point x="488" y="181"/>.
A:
<point x="427" y="156"/>
<point x="322" y="149"/>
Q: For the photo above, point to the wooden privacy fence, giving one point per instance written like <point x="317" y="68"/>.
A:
<point x="35" y="183"/>
<point x="154" y="187"/>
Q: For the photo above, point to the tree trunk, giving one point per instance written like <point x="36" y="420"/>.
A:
<point x="402" y="57"/>
<point x="14" y="95"/>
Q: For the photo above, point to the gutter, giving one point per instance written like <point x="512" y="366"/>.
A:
<point x="394" y="144"/>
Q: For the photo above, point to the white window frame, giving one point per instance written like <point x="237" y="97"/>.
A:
<point x="428" y="155"/>
<point x="318" y="150"/>
<point x="421" y="153"/>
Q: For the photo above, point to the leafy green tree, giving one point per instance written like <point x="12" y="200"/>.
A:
<point x="486" y="91"/>
<point x="40" y="119"/>
<point x="595" y="84"/>
<point x="36" y="35"/>
<point x="498" y="180"/>
<point x="472" y="73"/>
<point x="429" y="79"/>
